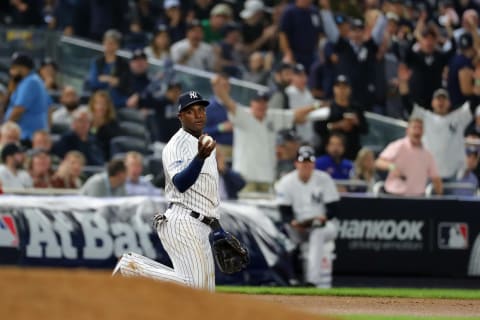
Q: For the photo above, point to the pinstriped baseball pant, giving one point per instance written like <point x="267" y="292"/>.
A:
<point x="186" y="241"/>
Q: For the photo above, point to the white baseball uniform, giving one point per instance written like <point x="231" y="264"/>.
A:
<point x="308" y="201"/>
<point x="185" y="238"/>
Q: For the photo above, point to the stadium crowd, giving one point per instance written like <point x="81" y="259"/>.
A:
<point x="325" y="63"/>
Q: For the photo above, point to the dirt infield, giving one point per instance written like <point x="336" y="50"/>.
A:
<point x="378" y="306"/>
<point x="65" y="294"/>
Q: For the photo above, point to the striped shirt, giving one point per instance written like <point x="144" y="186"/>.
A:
<point x="202" y="196"/>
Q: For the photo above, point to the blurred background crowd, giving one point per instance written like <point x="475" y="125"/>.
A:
<point x="323" y="64"/>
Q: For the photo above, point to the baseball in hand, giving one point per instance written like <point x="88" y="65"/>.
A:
<point x="206" y="140"/>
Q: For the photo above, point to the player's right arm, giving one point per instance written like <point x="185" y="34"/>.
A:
<point x="184" y="178"/>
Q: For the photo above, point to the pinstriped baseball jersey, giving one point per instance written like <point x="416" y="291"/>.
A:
<point x="202" y="196"/>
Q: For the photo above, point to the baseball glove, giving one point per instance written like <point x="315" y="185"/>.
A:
<point x="230" y="254"/>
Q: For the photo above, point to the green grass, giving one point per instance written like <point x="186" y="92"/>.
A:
<point x="367" y="317"/>
<point x="358" y="292"/>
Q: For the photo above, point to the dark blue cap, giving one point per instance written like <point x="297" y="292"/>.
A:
<point x="341" y="18"/>
<point x="190" y="98"/>
<point x="306" y="153"/>
<point x="22" y="59"/>
<point x="341" y="78"/>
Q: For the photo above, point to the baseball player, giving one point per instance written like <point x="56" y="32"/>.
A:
<point x="191" y="189"/>
<point x="307" y="198"/>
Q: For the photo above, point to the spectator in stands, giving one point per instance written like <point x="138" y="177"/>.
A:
<point x="443" y="130"/>
<point x="80" y="139"/>
<point x="95" y="17"/>
<point x="26" y="13"/>
<point x="147" y="12"/>
<point x="258" y="70"/>
<point x="159" y="48"/>
<point x="39" y="166"/>
<point x="228" y="51"/>
<point x="427" y="64"/>
<point x="138" y="78"/>
<point x="104" y="125"/>
<point x="135" y="38"/>
<point x="255" y="133"/>
<point x="10" y="132"/>
<point x="43" y="141"/>
<point x="174" y="20"/>
<point x="69" y="172"/>
<point x="300" y="96"/>
<point x="356" y="47"/>
<point x="165" y="109"/>
<point x="107" y="184"/>
<point x="473" y="130"/>
<point x="334" y="162"/>
<point x="12" y="174"/>
<point x="136" y="184"/>
<point x="345" y="117"/>
<point x="30" y="102"/>
<point x="230" y="182"/>
<point x="288" y="143"/>
<point x="468" y="174"/>
<point x="193" y="51"/>
<point x="258" y="33"/>
<point x="460" y="70"/>
<point x="69" y="101"/>
<point x="3" y="97"/>
<point x="220" y="15"/>
<point x="409" y="164"/>
<point x="110" y="72"/>
<point x="469" y="20"/>
<point x="300" y="18"/>
<point x="282" y="79"/>
<point x="364" y="170"/>
<point x="48" y="72"/>
<point x="218" y="125"/>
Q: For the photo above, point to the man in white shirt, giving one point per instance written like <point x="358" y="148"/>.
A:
<point x="443" y="130"/>
<point x="11" y="173"/>
<point x="300" y="96"/>
<point x="136" y="184"/>
<point x="192" y="51"/>
<point x="69" y="101"/>
<point x="254" y="137"/>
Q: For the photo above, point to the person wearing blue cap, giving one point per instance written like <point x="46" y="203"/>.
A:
<point x="468" y="176"/>
<point x="29" y="103"/>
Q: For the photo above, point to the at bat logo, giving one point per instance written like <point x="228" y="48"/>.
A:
<point x="453" y="235"/>
<point x="8" y="232"/>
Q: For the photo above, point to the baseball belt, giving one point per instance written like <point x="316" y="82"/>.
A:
<point x="211" y="222"/>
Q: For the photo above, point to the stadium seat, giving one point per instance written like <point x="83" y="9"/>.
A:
<point x="123" y="144"/>
<point x="152" y="126"/>
<point x="132" y="129"/>
<point x="130" y="115"/>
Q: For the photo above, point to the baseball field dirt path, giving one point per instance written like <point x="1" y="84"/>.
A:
<point x="70" y="295"/>
<point x="378" y="306"/>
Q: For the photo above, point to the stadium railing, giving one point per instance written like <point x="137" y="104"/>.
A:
<point x="75" y="56"/>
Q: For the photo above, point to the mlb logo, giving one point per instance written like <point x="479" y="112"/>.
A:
<point x="452" y="235"/>
<point x="8" y="232"/>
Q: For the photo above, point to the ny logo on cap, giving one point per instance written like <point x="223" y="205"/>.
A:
<point x="193" y="95"/>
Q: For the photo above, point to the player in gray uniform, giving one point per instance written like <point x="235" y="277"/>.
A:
<point x="307" y="198"/>
<point x="191" y="187"/>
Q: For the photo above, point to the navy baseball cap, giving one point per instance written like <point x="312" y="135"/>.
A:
<point x="341" y="78"/>
<point x="261" y="95"/>
<point x="357" y="24"/>
<point x="190" y="98"/>
<point x="138" y="54"/>
<point x="305" y="153"/>
<point x="299" y="69"/>
<point x="341" y="18"/>
<point x="22" y="59"/>
<point x="472" y="150"/>
<point x="465" y="41"/>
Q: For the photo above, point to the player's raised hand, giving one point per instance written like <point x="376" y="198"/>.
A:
<point x="206" y="145"/>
